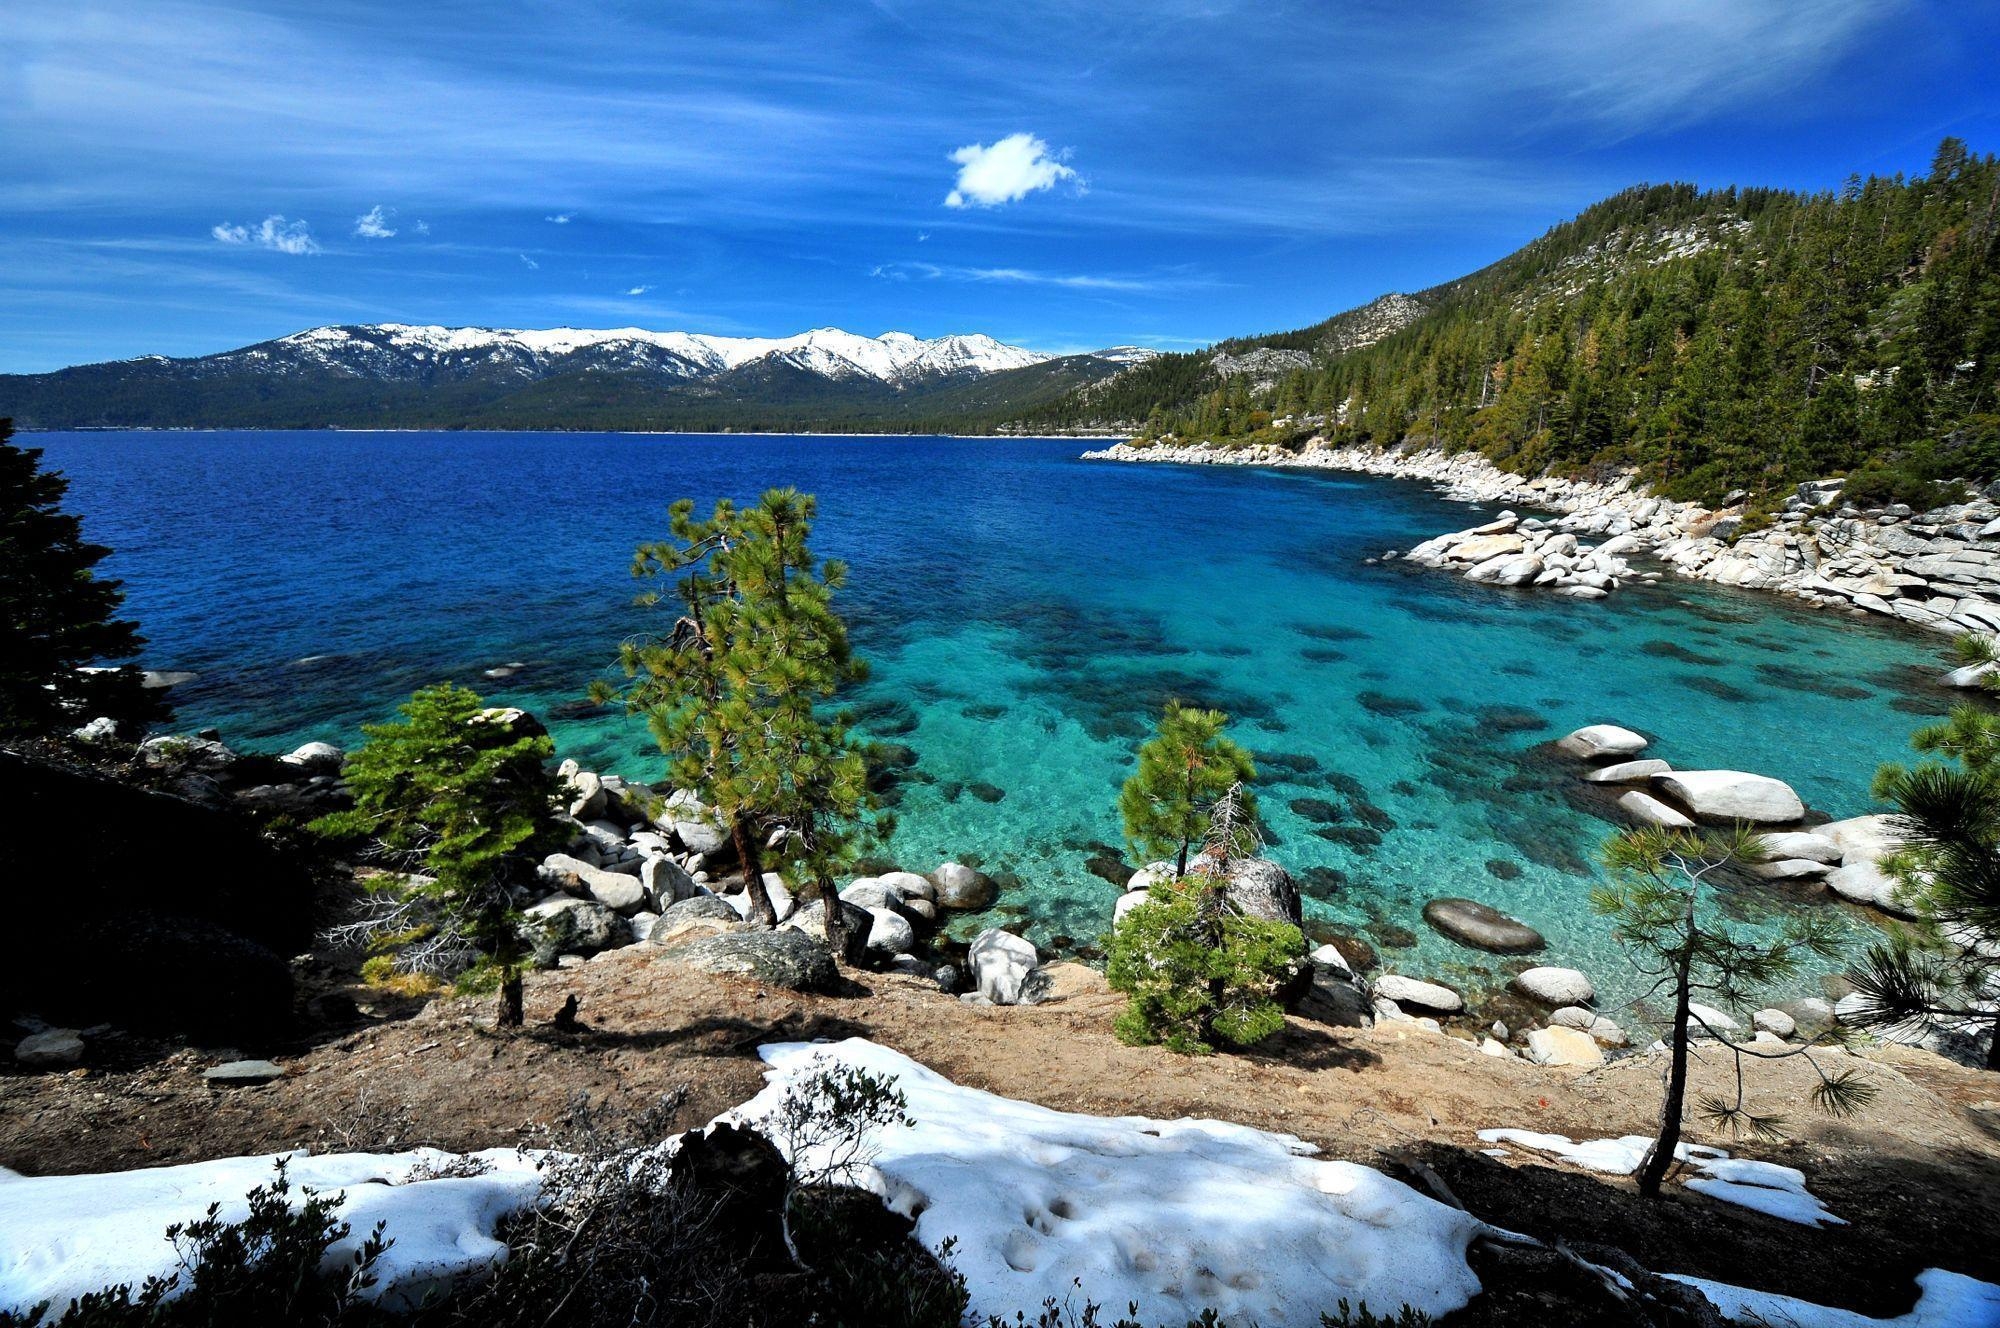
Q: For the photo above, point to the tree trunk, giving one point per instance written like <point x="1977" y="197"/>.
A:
<point x="835" y="920"/>
<point x="511" y="1015"/>
<point x="751" y="855"/>
<point x="1662" y="1155"/>
<point x="1180" y="864"/>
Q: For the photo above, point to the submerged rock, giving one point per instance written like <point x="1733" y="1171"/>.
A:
<point x="960" y="887"/>
<point x="1482" y="926"/>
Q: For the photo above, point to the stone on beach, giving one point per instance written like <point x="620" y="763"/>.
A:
<point x="1563" y="1046"/>
<point x="1413" y="991"/>
<point x="52" y="1049"/>
<point x="1001" y="965"/>
<point x="1719" y="797"/>
<point x="1598" y="740"/>
<point x="1555" y="986"/>
<point x="1482" y="926"/>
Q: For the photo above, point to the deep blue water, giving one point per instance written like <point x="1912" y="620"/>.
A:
<point x="1026" y="613"/>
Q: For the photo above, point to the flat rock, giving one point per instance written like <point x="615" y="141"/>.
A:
<point x="1627" y="772"/>
<point x="1482" y="926"/>
<point x="54" y="1049"/>
<point x="1774" y="1020"/>
<point x="1401" y="991"/>
<point x="1595" y="741"/>
<point x="1649" y="810"/>
<point x="1711" y="1016"/>
<point x="782" y="958"/>
<point x="1789" y="869"/>
<point x="1555" y="986"/>
<point x="1723" y="796"/>
<point x="243" y="1073"/>
<point x="1814" y="845"/>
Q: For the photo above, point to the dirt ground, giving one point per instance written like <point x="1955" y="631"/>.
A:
<point x="1917" y="1174"/>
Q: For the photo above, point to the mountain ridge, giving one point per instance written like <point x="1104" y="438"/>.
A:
<point x="423" y="375"/>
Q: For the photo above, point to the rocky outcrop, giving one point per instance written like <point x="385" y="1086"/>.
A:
<point x="1516" y="552"/>
<point x="1938" y="569"/>
<point x="1720" y="797"/>
<point x="782" y="958"/>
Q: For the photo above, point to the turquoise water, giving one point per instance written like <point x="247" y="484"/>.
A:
<point x="1025" y="613"/>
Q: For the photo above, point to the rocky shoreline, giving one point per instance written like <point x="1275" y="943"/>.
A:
<point x="1938" y="570"/>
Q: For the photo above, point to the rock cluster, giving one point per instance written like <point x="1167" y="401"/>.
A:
<point x="1845" y="855"/>
<point x="1938" y="569"/>
<point x="1511" y="551"/>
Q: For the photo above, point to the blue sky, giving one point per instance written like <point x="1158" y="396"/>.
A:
<point x="188" y="177"/>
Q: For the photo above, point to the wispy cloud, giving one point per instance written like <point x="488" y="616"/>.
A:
<point x="638" y="290"/>
<point x="533" y="266"/>
<point x="560" y="218"/>
<point x="1016" y="276"/>
<point x="273" y="232"/>
<point x="1006" y="171"/>
<point x="374" y="223"/>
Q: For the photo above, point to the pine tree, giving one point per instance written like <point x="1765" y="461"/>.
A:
<point x="1183" y="770"/>
<point x="58" y="611"/>
<point x="463" y="795"/>
<point x="1663" y="911"/>
<point x="730" y="692"/>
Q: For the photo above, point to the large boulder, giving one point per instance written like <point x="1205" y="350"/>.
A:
<point x="1718" y="797"/>
<point x="318" y="758"/>
<point x="1627" y="772"/>
<point x="573" y="876"/>
<point x="1602" y="1030"/>
<point x="1648" y="810"/>
<point x="1508" y="569"/>
<point x="1555" y="986"/>
<point x="962" y="888"/>
<point x="811" y="919"/>
<point x="909" y="885"/>
<point x="1482" y="926"/>
<point x="1563" y="1046"/>
<point x="889" y="932"/>
<point x="1335" y="999"/>
<point x="1001" y="966"/>
<point x="687" y="819"/>
<point x="1595" y="741"/>
<point x="57" y="1048"/>
<point x="1258" y="887"/>
<point x="562" y="925"/>
<point x="1411" y="991"/>
<point x="666" y="881"/>
<point x="781" y="958"/>
<point x="1864" y="882"/>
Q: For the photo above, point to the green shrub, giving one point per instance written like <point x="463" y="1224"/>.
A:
<point x="1197" y="971"/>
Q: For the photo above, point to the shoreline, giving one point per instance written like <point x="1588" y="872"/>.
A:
<point x="1938" y="570"/>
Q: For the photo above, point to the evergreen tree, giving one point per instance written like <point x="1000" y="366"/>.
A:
<point x="463" y="795"/>
<point x="1183" y="770"/>
<point x="1662" y="906"/>
<point x="1197" y="970"/>
<point x="1945" y="971"/>
<point x="730" y="692"/>
<point x="58" y="611"/>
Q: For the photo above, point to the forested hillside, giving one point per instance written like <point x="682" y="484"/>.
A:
<point x="1738" y="338"/>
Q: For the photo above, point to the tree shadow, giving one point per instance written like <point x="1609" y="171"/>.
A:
<point x="1310" y="1049"/>
<point x="716" y="1035"/>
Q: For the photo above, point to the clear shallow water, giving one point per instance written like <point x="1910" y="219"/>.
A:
<point x="1026" y="613"/>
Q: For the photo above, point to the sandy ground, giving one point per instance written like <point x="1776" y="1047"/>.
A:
<point x="1917" y="1174"/>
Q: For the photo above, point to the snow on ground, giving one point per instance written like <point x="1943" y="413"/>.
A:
<point x="1945" y="1300"/>
<point x="61" y="1236"/>
<point x="1174" y="1216"/>
<point x="1764" y="1186"/>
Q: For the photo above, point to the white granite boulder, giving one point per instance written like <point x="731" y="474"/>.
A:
<point x="1595" y="741"/>
<point x="1412" y="991"/>
<point x="1722" y="796"/>
<point x="1555" y="986"/>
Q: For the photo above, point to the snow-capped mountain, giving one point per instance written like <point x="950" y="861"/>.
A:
<point x="401" y="375"/>
<point x="403" y="351"/>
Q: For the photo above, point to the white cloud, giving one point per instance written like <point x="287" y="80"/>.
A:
<point x="1176" y="279"/>
<point x="561" y="218"/>
<point x="533" y="266"/>
<point x="274" y="232"/>
<point x="1003" y="172"/>
<point x="423" y="228"/>
<point x="638" y="290"/>
<point x="374" y="223"/>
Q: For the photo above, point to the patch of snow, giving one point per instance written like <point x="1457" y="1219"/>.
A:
<point x="1764" y="1186"/>
<point x="1172" y="1216"/>
<point x="1944" y="1300"/>
<point x="62" y="1236"/>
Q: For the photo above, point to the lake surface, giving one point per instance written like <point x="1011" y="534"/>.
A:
<point x="1026" y="613"/>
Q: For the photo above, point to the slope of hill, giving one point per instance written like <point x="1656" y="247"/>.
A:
<point x="1734" y="338"/>
<point x="395" y="375"/>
